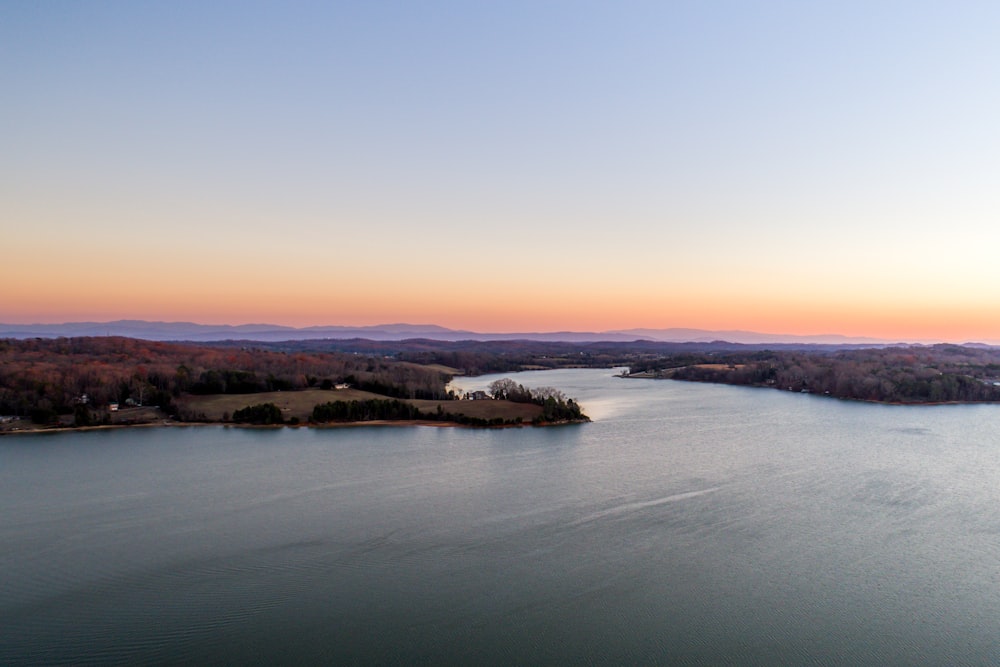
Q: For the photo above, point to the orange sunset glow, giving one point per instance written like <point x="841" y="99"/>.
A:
<point x="507" y="311"/>
<point x="766" y="184"/>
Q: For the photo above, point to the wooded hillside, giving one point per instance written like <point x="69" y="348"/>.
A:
<point x="56" y="375"/>
<point x="934" y="374"/>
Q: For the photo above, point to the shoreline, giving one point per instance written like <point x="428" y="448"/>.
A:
<point x="330" y="425"/>
<point x="873" y="401"/>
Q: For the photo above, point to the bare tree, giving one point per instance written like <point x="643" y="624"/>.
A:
<point x="542" y="393"/>
<point x="502" y="389"/>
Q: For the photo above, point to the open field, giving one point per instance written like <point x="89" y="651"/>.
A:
<point x="301" y="403"/>
<point x="292" y="403"/>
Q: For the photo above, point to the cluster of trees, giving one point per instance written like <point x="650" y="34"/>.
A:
<point x="555" y="405"/>
<point x="395" y="410"/>
<point x="391" y="409"/>
<point x="556" y="411"/>
<point x="360" y="411"/>
<point x="231" y="381"/>
<point x="939" y="373"/>
<point x="506" y="389"/>
<point x="45" y="377"/>
<point x="262" y="414"/>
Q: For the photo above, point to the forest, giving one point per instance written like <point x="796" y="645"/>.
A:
<point x="903" y="374"/>
<point x="476" y="357"/>
<point x="45" y="378"/>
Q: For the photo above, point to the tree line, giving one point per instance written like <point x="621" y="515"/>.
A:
<point x="911" y="374"/>
<point x="363" y="411"/>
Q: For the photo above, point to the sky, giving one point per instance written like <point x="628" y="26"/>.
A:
<point x="787" y="167"/>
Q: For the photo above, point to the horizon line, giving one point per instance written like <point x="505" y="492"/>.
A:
<point x="641" y="332"/>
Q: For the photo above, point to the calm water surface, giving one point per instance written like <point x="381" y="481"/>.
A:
<point x="689" y="523"/>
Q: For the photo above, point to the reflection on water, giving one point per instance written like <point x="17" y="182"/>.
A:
<point x="689" y="523"/>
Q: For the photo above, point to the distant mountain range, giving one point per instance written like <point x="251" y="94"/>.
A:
<point x="189" y="331"/>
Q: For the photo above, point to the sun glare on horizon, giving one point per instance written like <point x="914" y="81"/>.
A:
<point x="796" y="170"/>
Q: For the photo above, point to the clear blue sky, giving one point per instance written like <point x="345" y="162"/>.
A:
<point x="803" y="167"/>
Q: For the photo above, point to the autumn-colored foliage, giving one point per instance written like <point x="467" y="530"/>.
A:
<point x="934" y="374"/>
<point x="56" y="375"/>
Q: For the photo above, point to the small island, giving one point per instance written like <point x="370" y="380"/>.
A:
<point x="105" y="382"/>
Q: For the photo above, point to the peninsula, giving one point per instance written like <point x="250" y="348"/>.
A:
<point x="116" y="381"/>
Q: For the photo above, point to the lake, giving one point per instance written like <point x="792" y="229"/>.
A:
<point x="689" y="524"/>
